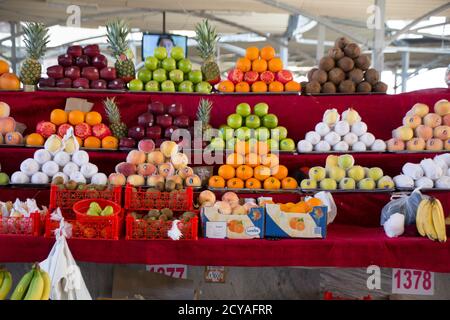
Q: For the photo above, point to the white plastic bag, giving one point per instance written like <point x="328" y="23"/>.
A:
<point x="395" y="225"/>
<point x="404" y="204"/>
<point x="327" y="199"/>
<point x="412" y="170"/>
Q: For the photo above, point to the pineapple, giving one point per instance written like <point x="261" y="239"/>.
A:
<point x="207" y="38"/>
<point x="36" y="38"/>
<point x="118" y="128"/>
<point x="117" y="32"/>
<point x="204" y="115"/>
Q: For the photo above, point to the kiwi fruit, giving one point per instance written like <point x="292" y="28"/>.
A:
<point x="100" y="187"/>
<point x="82" y="186"/>
<point x="152" y="190"/>
<point x="352" y="50"/>
<point x="341" y="42"/>
<point x="179" y="186"/>
<point x="363" y="62"/>
<point x="312" y="87"/>
<point x="335" y="53"/>
<point x="58" y="180"/>
<point x="336" y="75"/>
<point x="346" y="64"/>
<point x="364" y="87"/>
<point x="347" y="86"/>
<point x="320" y="76"/>
<point x="167" y="212"/>
<point x="303" y="86"/>
<point x="372" y="76"/>
<point x="170" y="185"/>
<point x="310" y="73"/>
<point x="380" y="87"/>
<point x="326" y="63"/>
<point x="71" y="185"/>
<point x="163" y="217"/>
<point x="328" y="87"/>
<point x="356" y="75"/>
<point x="153" y="213"/>
<point x="160" y="186"/>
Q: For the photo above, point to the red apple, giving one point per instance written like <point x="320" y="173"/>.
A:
<point x="65" y="60"/>
<point x="81" y="83"/>
<point x="251" y="76"/>
<point x="153" y="132"/>
<point x="267" y="77"/>
<point x="99" y="61"/>
<point x="82" y="61"/>
<point x="175" y="109"/>
<point x="235" y="76"/>
<point x="83" y="130"/>
<point x="62" y="129"/>
<point x="64" y="83"/>
<point x="55" y="72"/>
<point x="127" y="143"/>
<point x="90" y="73"/>
<point x="72" y="72"/>
<point x="181" y="121"/>
<point x="75" y="51"/>
<point x="91" y="50"/>
<point x="46" y="83"/>
<point x="136" y="132"/>
<point x="146" y="119"/>
<point x="99" y="84"/>
<point x="156" y="107"/>
<point x="168" y="131"/>
<point x="45" y="128"/>
<point x="284" y="76"/>
<point x="108" y="73"/>
<point x="116" y="84"/>
<point x="101" y="130"/>
<point x="164" y="120"/>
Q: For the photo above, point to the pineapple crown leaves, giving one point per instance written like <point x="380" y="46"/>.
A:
<point x="36" y="38"/>
<point x="207" y="38"/>
<point x="204" y="111"/>
<point x="116" y="33"/>
<point x="112" y="110"/>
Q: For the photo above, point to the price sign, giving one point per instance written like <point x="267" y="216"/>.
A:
<point x="409" y="281"/>
<point x="172" y="270"/>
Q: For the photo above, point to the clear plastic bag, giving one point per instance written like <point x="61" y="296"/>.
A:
<point x="404" y="204"/>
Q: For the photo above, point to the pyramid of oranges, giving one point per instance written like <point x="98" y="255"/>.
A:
<point x="259" y="71"/>
<point x="252" y="166"/>
<point x="8" y="80"/>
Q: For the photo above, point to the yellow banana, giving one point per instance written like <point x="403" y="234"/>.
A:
<point x="36" y="286"/>
<point x="428" y="222"/>
<point x="2" y="276"/>
<point x="420" y="216"/>
<point x="439" y="220"/>
<point x="47" y="285"/>
<point x="6" y="285"/>
<point x="22" y="286"/>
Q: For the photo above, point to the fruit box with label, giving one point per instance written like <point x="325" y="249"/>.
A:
<point x="233" y="226"/>
<point x="281" y="224"/>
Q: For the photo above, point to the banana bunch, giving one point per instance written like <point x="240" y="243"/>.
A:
<point x="430" y="219"/>
<point x="34" y="285"/>
<point x="5" y="283"/>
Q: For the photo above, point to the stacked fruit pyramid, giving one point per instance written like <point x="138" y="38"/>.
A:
<point x="8" y="127"/>
<point x="423" y="130"/>
<point x="8" y="80"/>
<point x="341" y="172"/>
<point x="344" y="70"/>
<point x="259" y="71"/>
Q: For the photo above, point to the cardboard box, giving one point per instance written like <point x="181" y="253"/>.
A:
<point x="281" y="224"/>
<point x="231" y="226"/>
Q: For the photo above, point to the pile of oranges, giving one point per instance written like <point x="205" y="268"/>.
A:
<point x="251" y="166"/>
<point x="259" y="71"/>
<point x="301" y="206"/>
<point x="8" y="81"/>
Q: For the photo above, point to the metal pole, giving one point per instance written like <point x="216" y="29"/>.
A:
<point x="164" y="22"/>
<point x="12" y="27"/>
<point x="320" y="42"/>
<point x="377" y="53"/>
<point x="405" y="67"/>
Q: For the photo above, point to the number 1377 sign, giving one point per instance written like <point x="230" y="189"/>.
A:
<point x="408" y="281"/>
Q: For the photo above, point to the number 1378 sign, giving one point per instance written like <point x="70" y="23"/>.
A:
<point x="408" y="281"/>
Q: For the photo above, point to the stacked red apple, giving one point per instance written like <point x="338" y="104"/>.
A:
<point x="158" y="124"/>
<point x="84" y="68"/>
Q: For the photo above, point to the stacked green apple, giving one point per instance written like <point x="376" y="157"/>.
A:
<point x="260" y="125"/>
<point x="169" y="74"/>
<point x="340" y="172"/>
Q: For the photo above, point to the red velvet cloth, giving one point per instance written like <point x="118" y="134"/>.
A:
<point x="345" y="246"/>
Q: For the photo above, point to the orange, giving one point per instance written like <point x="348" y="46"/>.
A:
<point x="270" y="160"/>
<point x="4" y="67"/>
<point x="34" y="139"/>
<point x="292" y="86"/>
<point x="241" y="147"/>
<point x="251" y="146"/>
<point x="276" y="86"/>
<point x="216" y="182"/>
<point x="80" y="141"/>
<point x="235" y="183"/>
<point x="244" y="172"/>
<point x="235" y="160"/>
<point x="275" y="64"/>
<point x="76" y="117"/>
<point x="289" y="183"/>
<point x="272" y="183"/>
<point x="58" y="116"/>
<point x="259" y="65"/>
<point x="314" y="202"/>
<point x="92" y="142"/>
<point x="243" y="64"/>
<point x="252" y="159"/>
<point x="280" y="172"/>
<point x="242" y="87"/>
<point x="110" y="142"/>
<point x="9" y="81"/>
<point x="267" y="53"/>
<point x="226" y="171"/>
<point x="253" y="183"/>
<point x="259" y="86"/>
<point x="300" y="207"/>
<point x="297" y="224"/>
<point x="252" y="53"/>
<point x="263" y="148"/>
<point x="226" y="86"/>
<point x="93" y="118"/>
<point x="261" y="172"/>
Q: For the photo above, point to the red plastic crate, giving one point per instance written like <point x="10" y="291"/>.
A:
<point x="141" y="199"/>
<point x="81" y="207"/>
<point x="139" y="229"/>
<point x="31" y="226"/>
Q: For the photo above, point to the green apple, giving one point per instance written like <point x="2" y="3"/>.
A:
<point x="168" y="86"/>
<point x="195" y="76"/>
<point x="226" y="132"/>
<point x="169" y="64"/>
<point x="160" y="53"/>
<point x="176" y="76"/>
<point x="217" y="143"/>
<point x="261" y="109"/>
<point x="152" y="86"/>
<point x="347" y="184"/>
<point x="185" y="65"/>
<point x="274" y="145"/>
<point x="317" y="173"/>
<point x="336" y="173"/>
<point x="186" y="86"/>
<point x="357" y="173"/>
<point x="366" y="184"/>
<point x="203" y="87"/>
<point x="332" y="161"/>
<point x="386" y="182"/>
<point x="328" y="184"/>
<point x="252" y="121"/>
<point x="308" y="184"/>
<point x="243" y="109"/>
<point x="136" y="85"/>
<point x="144" y="75"/>
<point x="263" y="134"/>
<point x="177" y="53"/>
<point x="279" y="133"/>
<point x="151" y="63"/>
<point x="160" y="75"/>
<point x="287" y="144"/>
<point x="4" y="179"/>
<point x="375" y="173"/>
<point x="270" y="121"/>
<point x="234" y="121"/>
<point x="346" y="161"/>
<point x="231" y="143"/>
<point x="243" y="133"/>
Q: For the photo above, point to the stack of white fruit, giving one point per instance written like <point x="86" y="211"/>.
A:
<point x="340" y="172"/>
<point x="429" y="173"/>
<point x="350" y="133"/>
